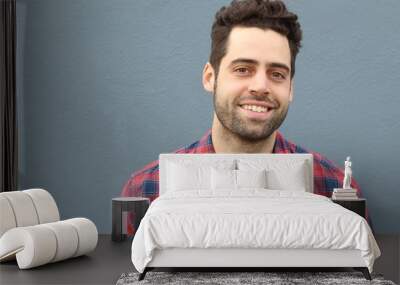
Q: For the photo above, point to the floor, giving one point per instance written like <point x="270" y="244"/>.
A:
<point x="111" y="259"/>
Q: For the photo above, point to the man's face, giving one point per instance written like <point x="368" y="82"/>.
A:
<point x="253" y="89"/>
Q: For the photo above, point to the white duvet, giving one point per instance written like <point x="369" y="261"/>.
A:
<point x="252" y="218"/>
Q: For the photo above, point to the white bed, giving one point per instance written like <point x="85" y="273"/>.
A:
<point x="247" y="210"/>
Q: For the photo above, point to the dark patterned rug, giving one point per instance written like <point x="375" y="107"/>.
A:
<point x="269" y="278"/>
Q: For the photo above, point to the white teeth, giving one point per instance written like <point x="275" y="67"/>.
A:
<point x="254" y="108"/>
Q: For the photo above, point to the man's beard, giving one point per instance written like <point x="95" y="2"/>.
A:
<point x="232" y="121"/>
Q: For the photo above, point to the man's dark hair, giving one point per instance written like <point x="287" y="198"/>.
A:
<point x="263" y="14"/>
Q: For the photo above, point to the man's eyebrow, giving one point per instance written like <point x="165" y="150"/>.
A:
<point x="255" y="62"/>
<point x="244" y="60"/>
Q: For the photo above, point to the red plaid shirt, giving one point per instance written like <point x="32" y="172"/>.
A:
<point x="327" y="175"/>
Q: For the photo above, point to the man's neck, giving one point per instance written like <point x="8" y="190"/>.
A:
<point x="224" y="141"/>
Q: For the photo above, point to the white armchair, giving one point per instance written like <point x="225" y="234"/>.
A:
<point x="31" y="230"/>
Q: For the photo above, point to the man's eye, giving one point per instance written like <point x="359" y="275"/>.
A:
<point x="278" y="75"/>
<point x="242" y="70"/>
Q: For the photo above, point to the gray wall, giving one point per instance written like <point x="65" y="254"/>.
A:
<point x="105" y="86"/>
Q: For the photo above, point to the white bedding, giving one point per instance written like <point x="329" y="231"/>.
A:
<point x="250" y="218"/>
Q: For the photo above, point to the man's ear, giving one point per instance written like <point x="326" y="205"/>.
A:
<point x="208" y="77"/>
<point x="291" y="91"/>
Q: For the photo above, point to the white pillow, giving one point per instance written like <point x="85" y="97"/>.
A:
<point x="228" y="179"/>
<point x="290" y="179"/>
<point x="223" y="179"/>
<point x="193" y="174"/>
<point x="251" y="178"/>
<point x="181" y="177"/>
<point x="282" y="174"/>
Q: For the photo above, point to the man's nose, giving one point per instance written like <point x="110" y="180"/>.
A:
<point x="260" y="84"/>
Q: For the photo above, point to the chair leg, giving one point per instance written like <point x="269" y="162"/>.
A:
<point x="143" y="274"/>
<point x="364" y="271"/>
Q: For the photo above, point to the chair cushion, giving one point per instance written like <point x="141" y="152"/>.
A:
<point x="40" y="244"/>
<point x="46" y="207"/>
<point x="26" y="208"/>
<point x="7" y="220"/>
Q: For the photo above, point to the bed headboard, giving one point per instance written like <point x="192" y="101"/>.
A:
<point x="209" y="159"/>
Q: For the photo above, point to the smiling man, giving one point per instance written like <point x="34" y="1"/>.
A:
<point x="254" y="44"/>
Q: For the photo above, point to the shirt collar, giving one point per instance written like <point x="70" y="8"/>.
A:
<point x="281" y="144"/>
<point x="205" y="144"/>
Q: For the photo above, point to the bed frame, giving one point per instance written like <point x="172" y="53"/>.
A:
<point x="249" y="259"/>
<point x="246" y="259"/>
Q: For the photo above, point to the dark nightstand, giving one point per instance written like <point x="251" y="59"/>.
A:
<point x="357" y="206"/>
<point x="136" y="205"/>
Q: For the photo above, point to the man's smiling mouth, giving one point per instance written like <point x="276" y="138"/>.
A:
<point x="255" y="108"/>
<point x="257" y="112"/>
